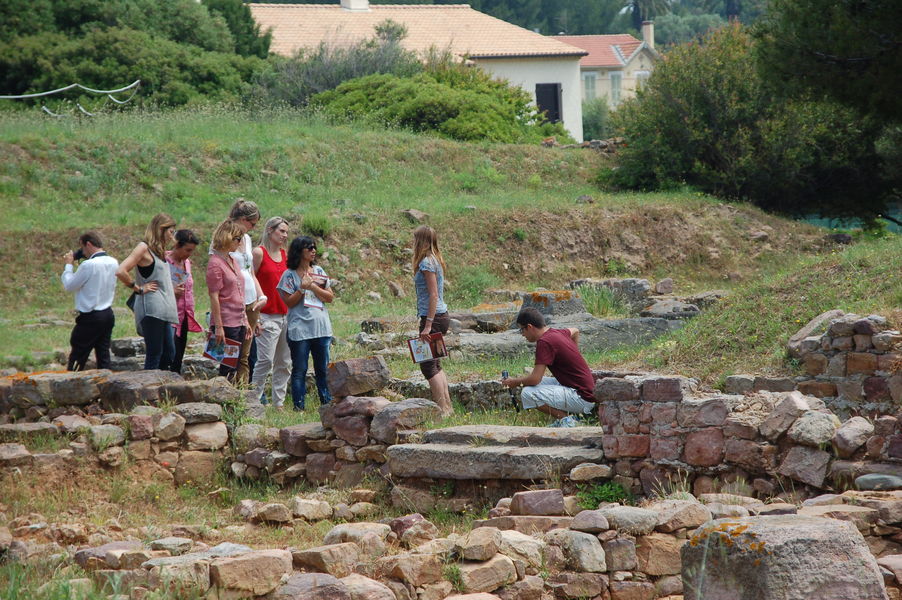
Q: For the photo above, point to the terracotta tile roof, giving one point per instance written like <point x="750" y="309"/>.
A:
<point x="456" y="26"/>
<point x="604" y="50"/>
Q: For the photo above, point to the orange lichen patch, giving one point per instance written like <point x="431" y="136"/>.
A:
<point x="555" y="295"/>
<point x="730" y="534"/>
<point x="23" y="377"/>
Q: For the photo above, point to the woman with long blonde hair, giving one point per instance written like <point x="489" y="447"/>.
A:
<point x="429" y="281"/>
<point x="156" y="314"/>
<point x="273" y="353"/>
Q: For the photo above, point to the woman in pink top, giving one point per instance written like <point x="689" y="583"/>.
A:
<point x="183" y="283"/>
<point x="226" y="287"/>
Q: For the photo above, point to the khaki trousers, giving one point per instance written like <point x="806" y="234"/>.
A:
<point x="273" y="356"/>
<point x="244" y="367"/>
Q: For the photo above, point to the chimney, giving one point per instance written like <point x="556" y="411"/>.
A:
<point x="356" y="5"/>
<point x="648" y="32"/>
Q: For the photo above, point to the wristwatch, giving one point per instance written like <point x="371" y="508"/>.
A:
<point x="137" y="288"/>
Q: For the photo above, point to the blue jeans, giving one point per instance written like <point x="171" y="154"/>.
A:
<point x="159" y="343"/>
<point x="300" y="354"/>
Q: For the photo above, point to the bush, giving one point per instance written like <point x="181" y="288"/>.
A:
<point x="456" y="101"/>
<point x="707" y="119"/>
<point x="294" y="80"/>
<point x="596" y="124"/>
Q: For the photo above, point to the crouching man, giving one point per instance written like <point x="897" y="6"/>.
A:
<point x="567" y="395"/>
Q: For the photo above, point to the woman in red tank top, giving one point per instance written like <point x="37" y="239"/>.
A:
<point x="273" y="355"/>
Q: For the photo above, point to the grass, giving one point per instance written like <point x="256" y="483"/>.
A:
<point x="61" y="177"/>
<point x="747" y="332"/>
<point x="602" y="302"/>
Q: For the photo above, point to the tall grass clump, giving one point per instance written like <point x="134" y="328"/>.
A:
<point x="294" y="80"/>
<point x="317" y="224"/>
<point x="602" y="302"/>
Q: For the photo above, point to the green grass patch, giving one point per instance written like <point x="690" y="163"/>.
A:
<point x="590" y="496"/>
<point x="747" y="332"/>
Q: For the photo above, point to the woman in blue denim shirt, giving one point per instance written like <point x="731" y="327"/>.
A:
<point x="305" y="289"/>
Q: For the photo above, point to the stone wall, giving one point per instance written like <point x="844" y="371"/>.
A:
<point x="348" y="444"/>
<point x="855" y="366"/>
<point x="658" y="430"/>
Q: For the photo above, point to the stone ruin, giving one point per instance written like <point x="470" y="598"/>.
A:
<point x="794" y="526"/>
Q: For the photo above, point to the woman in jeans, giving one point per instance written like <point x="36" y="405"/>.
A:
<point x="179" y="259"/>
<point x="273" y="355"/>
<point x="226" y="287"/>
<point x="429" y="281"/>
<point x="155" y="309"/>
<point x="305" y="289"/>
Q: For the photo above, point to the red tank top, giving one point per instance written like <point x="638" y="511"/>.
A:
<point x="269" y="274"/>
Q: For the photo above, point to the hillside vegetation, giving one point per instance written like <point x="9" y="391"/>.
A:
<point x="747" y="333"/>
<point x="508" y="215"/>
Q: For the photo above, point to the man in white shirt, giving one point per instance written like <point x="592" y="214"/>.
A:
<point x="94" y="285"/>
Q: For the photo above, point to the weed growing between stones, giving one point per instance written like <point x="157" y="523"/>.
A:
<point x="451" y="572"/>
<point x="739" y="486"/>
<point x="677" y="486"/>
<point x="590" y="496"/>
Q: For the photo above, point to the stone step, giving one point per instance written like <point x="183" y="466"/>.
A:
<point x="497" y="435"/>
<point x="458" y="461"/>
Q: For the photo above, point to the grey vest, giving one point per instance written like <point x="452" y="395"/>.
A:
<point x="161" y="303"/>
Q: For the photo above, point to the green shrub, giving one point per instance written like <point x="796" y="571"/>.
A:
<point x="707" y="118"/>
<point x="596" y="125"/>
<point x="590" y="496"/>
<point x="456" y="101"/>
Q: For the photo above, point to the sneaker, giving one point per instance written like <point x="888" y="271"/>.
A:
<point x="568" y="421"/>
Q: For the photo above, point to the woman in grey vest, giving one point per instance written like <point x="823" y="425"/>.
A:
<point x="155" y="309"/>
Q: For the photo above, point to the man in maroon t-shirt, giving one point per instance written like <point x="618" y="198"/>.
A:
<point x="570" y="390"/>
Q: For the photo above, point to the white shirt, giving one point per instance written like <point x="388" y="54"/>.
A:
<point x="245" y="258"/>
<point x="94" y="283"/>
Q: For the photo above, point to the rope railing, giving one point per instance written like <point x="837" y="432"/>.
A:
<point x="72" y="86"/>
<point x="109" y="96"/>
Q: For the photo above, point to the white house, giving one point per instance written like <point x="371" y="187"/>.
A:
<point x="616" y="65"/>
<point x="545" y="67"/>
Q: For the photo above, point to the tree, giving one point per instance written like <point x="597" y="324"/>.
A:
<point x="25" y="17"/>
<point x="850" y="50"/>
<point x="645" y="10"/>
<point x="707" y="119"/>
<point x="249" y="41"/>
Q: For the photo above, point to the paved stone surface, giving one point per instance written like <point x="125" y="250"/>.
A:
<point x="526" y="524"/>
<point x="515" y="436"/>
<point x="448" y="461"/>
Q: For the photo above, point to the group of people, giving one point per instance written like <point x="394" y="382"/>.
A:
<point x="272" y="303"/>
